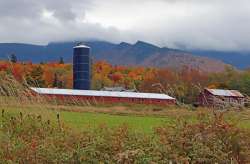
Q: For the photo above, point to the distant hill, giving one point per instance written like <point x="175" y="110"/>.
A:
<point x="146" y="54"/>
<point x="240" y="60"/>
<point x="140" y="53"/>
<point x="50" y="52"/>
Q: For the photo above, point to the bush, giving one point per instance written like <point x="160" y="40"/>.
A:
<point x="210" y="140"/>
<point x="30" y="139"/>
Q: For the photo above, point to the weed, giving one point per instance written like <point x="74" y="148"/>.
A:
<point x="32" y="139"/>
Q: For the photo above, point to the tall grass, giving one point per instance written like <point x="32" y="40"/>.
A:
<point x="31" y="138"/>
<point x="16" y="94"/>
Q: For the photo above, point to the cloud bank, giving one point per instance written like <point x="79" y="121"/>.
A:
<point x="200" y="24"/>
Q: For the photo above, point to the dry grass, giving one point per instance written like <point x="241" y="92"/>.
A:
<point x="34" y="139"/>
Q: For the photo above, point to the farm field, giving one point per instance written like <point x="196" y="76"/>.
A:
<point x="137" y="118"/>
<point x="83" y="120"/>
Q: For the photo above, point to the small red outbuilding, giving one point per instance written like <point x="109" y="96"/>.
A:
<point x="220" y="98"/>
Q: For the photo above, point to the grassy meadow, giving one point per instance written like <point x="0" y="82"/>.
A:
<point x="86" y="119"/>
<point x="138" y="117"/>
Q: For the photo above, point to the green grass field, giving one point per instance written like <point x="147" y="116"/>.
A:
<point x="82" y="120"/>
<point x="138" y="123"/>
<point x="82" y="117"/>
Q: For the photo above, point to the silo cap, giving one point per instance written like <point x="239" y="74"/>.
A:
<point x="81" y="45"/>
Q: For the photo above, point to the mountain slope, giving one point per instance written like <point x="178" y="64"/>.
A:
<point x="177" y="60"/>
<point x="140" y="53"/>
<point x="240" y="60"/>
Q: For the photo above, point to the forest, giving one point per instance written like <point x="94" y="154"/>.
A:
<point x="184" y="84"/>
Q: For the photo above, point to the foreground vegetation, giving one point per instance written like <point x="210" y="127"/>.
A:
<point x="33" y="138"/>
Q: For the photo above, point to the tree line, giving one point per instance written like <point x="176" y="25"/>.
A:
<point x="184" y="84"/>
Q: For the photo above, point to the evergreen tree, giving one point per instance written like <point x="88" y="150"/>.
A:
<point x="61" y="61"/>
<point x="61" y="84"/>
<point x="13" y="58"/>
<point x="55" y="82"/>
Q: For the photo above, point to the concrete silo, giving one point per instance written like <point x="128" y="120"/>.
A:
<point x="81" y="67"/>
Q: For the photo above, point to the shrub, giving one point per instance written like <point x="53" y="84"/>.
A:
<point x="30" y="139"/>
<point x="210" y="140"/>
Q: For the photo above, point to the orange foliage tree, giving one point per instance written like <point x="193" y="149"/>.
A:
<point x="184" y="84"/>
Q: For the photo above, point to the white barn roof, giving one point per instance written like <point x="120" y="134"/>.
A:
<point x="71" y="92"/>
<point x="222" y="92"/>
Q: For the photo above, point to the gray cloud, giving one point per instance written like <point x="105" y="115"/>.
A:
<point x="29" y="9"/>
<point x="42" y="21"/>
<point x="213" y="24"/>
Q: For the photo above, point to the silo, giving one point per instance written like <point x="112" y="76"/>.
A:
<point x="81" y="67"/>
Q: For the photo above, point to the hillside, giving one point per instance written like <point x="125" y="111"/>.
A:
<point x="140" y="53"/>
<point x="240" y="60"/>
<point x="176" y="60"/>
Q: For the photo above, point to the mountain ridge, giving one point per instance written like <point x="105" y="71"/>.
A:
<point x="139" y="53"/>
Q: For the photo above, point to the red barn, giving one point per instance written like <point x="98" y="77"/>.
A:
<point x="221" y="98"/>
<point x="105" y="96"/>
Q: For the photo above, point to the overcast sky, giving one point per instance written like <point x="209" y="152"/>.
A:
<point x="203" y="24"/>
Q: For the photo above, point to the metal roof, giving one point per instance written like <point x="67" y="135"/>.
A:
<point x="222" y="92"/>
<point x="118" y="89"/>
<point x="81" y="46"/>
<point x="113" y="89"/>
<point x="52" y="91"/>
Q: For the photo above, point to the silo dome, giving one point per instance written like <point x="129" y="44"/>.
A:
<point x="81" y="67"/>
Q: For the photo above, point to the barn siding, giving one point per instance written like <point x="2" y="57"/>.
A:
<point x="112" y="100"/>
<point x="208" y="99"/>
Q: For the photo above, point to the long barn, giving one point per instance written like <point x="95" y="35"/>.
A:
<point x="105" y="96"/>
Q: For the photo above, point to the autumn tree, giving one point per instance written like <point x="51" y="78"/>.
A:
<point x="3" y="66"/>
<point x="18" y="71"/>
<point x="55" y="81"/>
<point x="35" y="78"/>
<point x="100" y="74"/>
<point x="183" y="84"/>
<point x="116" y="77"/>
<point x="58" y="83"/>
